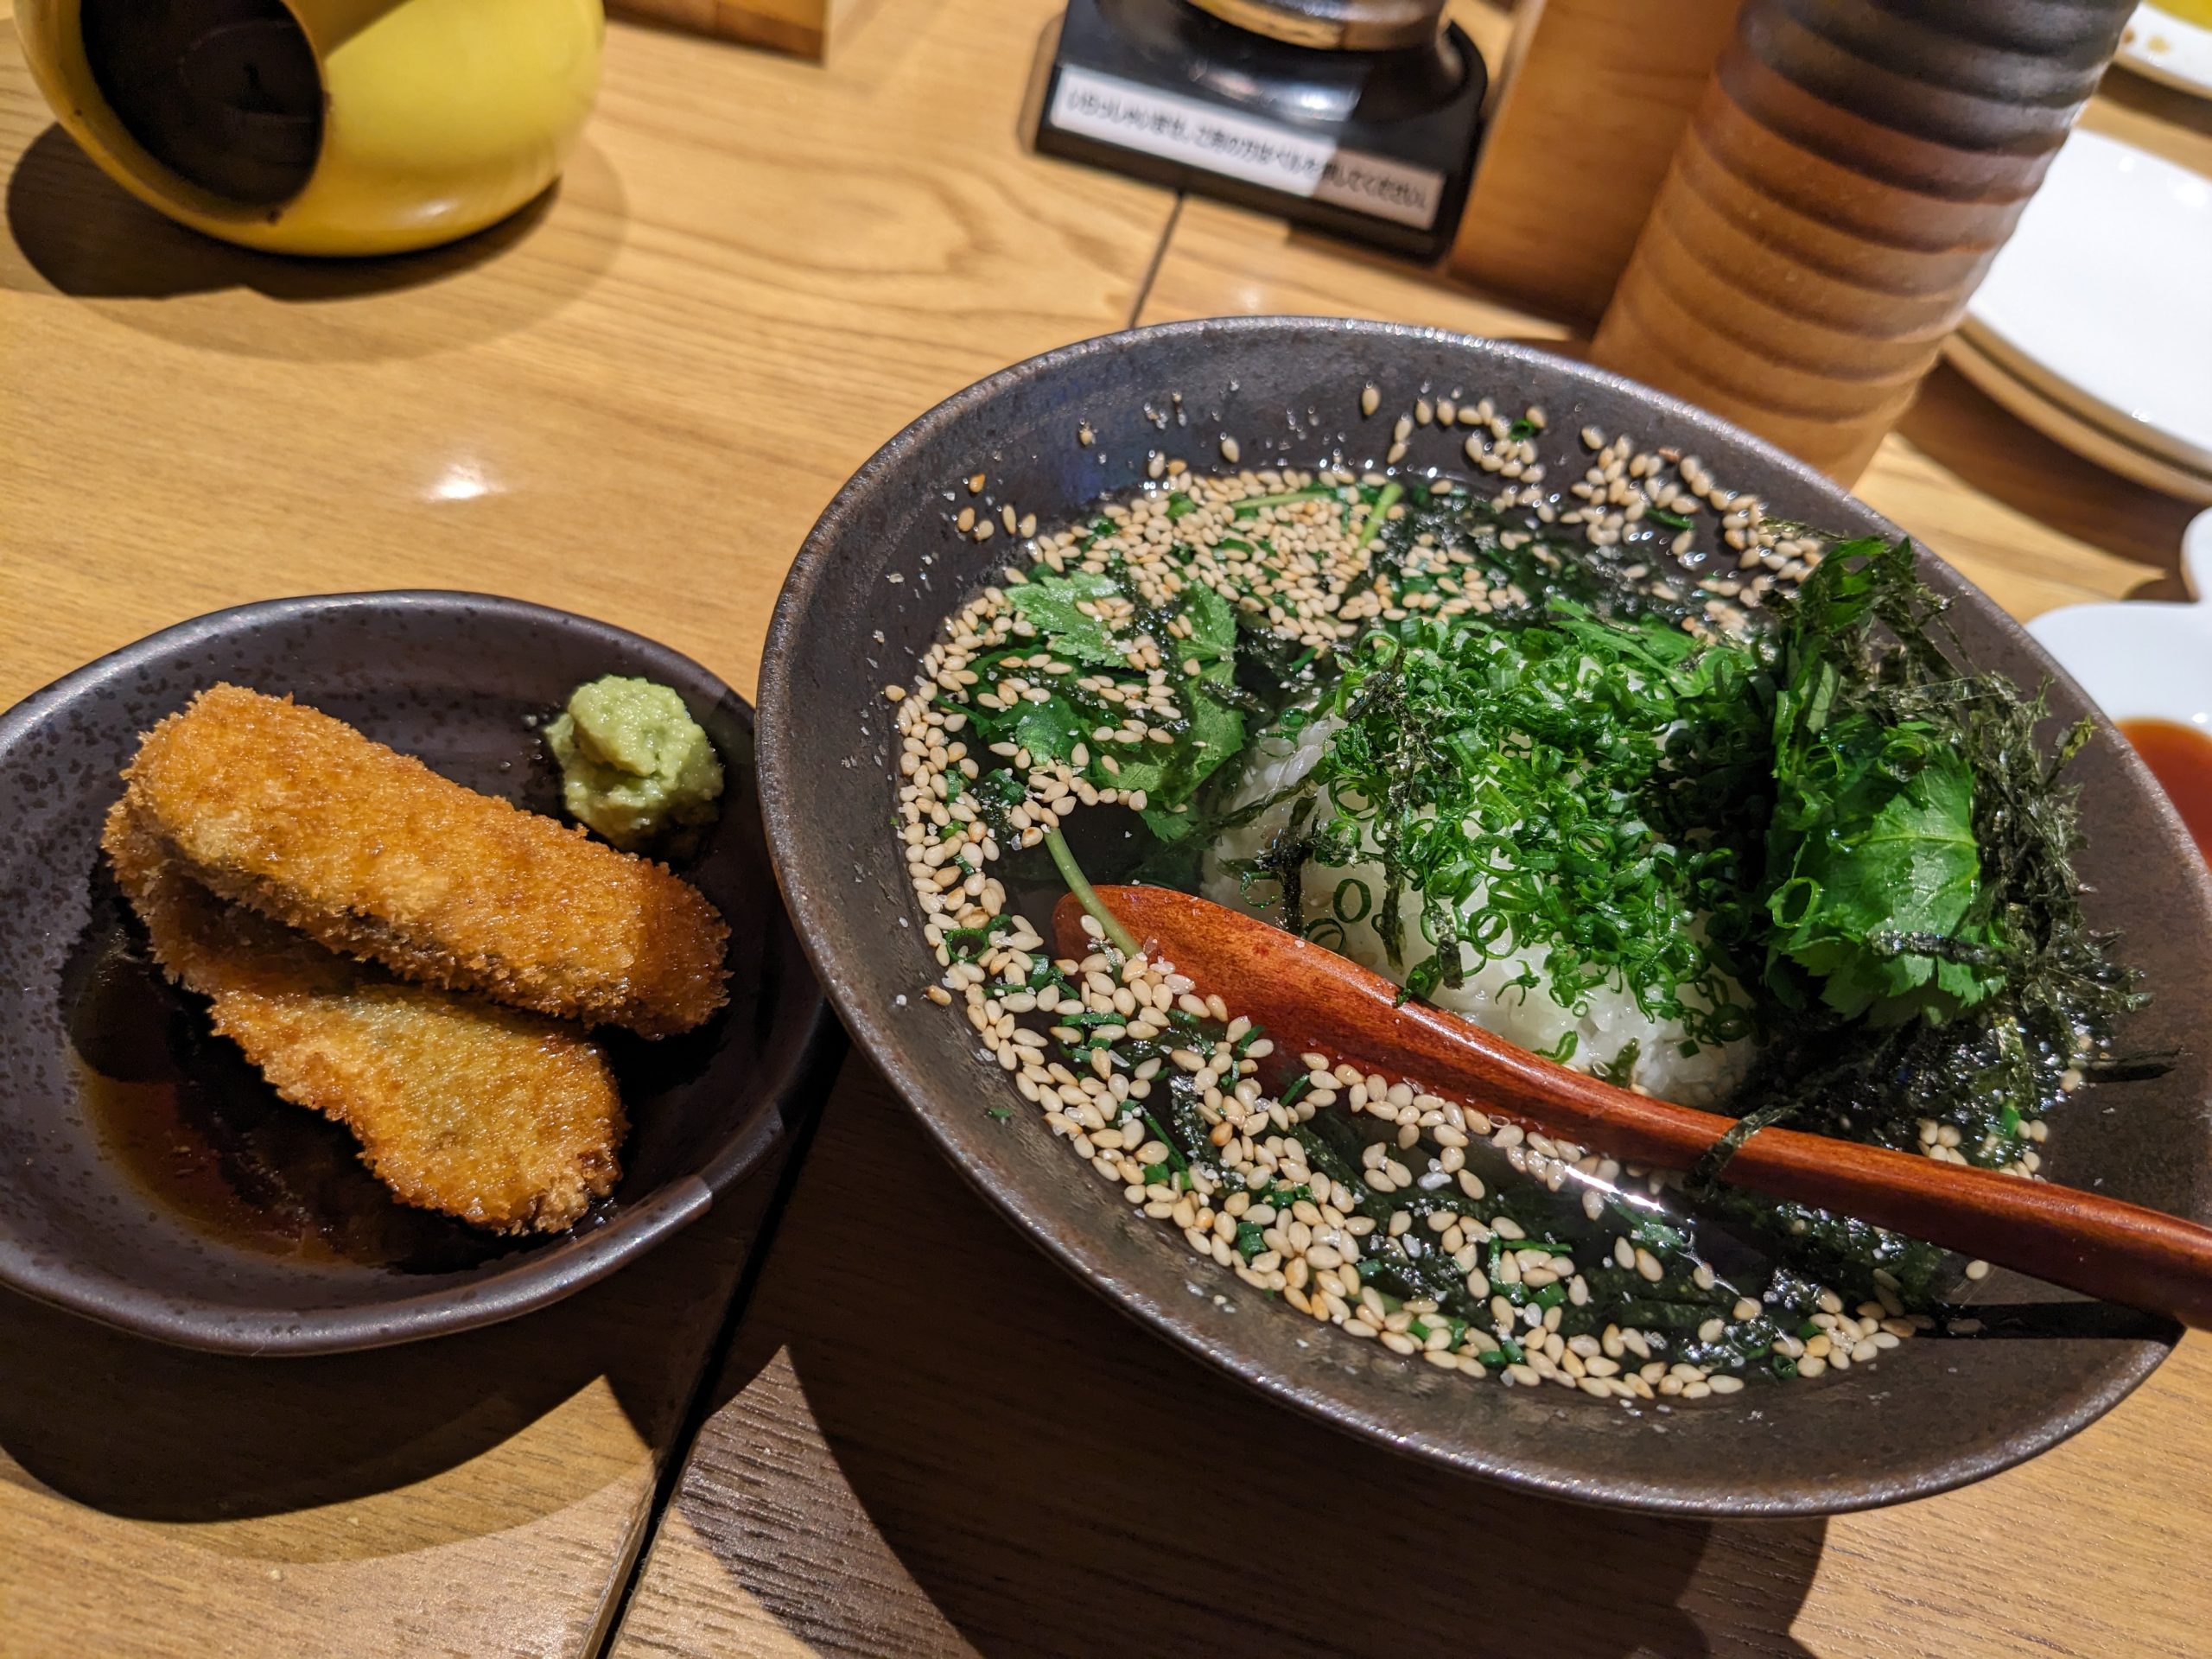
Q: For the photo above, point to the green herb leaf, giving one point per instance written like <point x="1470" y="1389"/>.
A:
<point x="1873" y="862"/>
<point x="1892" y="850"/>
<point x="1213" y="623"/>
<point x="1051" y="727"/>
<point x="1250" y="505"/>
<point x="1050" y="603"/>
<point x="1171" y="824"/>
<point x="1170" y="772"/>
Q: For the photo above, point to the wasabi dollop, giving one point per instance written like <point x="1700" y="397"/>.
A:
<point x="634" y="765"/>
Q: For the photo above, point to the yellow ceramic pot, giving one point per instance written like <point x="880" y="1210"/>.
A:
<point x="321" y="126"/>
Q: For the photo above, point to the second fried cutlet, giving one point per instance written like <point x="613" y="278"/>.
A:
<point x="281" y="807"/>
<point x="507" y="1120"/>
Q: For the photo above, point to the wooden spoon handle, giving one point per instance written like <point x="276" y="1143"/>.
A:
<point x="1316" y="1000"/>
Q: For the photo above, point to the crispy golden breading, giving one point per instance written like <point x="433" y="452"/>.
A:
<point x="275" y="806"/>
<point x="507" y="1120"/>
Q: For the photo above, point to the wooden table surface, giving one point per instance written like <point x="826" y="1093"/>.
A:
<point x="632" y="403"/>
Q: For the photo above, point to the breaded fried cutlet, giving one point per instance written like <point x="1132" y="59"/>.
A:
<point x="280" y="808"/>
<point x="507" y="1120"/>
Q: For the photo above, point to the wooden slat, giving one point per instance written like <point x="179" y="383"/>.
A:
<point x="811" y="28"/>
<point x="632" y="403"/>
<point x="1224" y="261"/>
<point x="930" y="1441"/>
<point x="1591" y="102"/>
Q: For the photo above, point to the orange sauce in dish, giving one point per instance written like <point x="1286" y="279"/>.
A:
<point x="2180" y="757"/>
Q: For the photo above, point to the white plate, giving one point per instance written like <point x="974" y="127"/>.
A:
<point x="2168" y="49"/>
<point x="2140" y="660"/>
<point x="2092" y="443"/>
<point x="2102" y="299"/>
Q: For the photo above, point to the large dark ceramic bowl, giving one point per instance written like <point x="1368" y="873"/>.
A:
<point x="93" y="1049"/>
<point x="864" y="601"/>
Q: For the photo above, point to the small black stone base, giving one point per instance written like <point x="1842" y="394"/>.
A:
<point x="1374" y="146"/>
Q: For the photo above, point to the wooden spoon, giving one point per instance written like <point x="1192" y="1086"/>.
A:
<point x="1310" y="998"/>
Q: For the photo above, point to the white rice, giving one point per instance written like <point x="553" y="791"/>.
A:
<point x="1604" y="1022"/>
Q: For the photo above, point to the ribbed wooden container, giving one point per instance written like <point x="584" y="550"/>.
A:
<point x="1850" y="173"/>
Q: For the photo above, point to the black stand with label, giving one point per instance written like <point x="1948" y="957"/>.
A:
<point x="1376" y="146"/>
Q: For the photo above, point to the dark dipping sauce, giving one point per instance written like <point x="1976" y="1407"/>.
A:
<point x="202" y="1134"/>
<point x="2180" y="757"/>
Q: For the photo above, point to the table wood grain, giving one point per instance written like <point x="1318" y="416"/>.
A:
<point x="630" y="403"/>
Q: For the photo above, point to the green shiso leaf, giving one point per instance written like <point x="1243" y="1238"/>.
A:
<point x="1213" y="624"/>
<point x="1875" y="836"/>
<point x="1058" y="714"/>
<point x="1169" y="773"/>
<point x="1047" y="728"/>
<point x="1872" y="841"/>
<point x="1050" y="602"/>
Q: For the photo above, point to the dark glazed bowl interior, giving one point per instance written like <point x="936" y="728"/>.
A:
<point x="864" y="601"/>
<point x="455" y="679"/>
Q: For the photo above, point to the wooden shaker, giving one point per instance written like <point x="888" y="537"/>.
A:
<point x="1853" y="167"/>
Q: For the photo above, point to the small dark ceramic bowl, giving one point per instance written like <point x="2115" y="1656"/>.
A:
<point x="865" y="599"/>
<point x="458" y="679"/>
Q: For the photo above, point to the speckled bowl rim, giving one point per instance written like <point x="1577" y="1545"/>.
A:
<point x="782" y="758"/>
<point x="502" y="1293"/>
